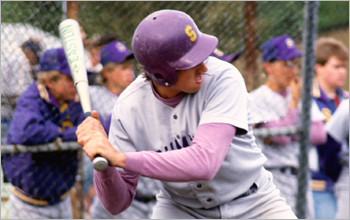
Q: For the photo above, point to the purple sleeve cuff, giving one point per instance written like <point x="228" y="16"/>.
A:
<point x="113" y="186"/>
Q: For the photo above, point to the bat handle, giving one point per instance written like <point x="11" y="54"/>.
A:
<point x="99" y="163"/>
<point x="87" y="114"/>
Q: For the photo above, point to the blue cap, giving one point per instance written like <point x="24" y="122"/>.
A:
<point x="228" y="58"/>
<point x="54" y="59"/>
<point x="280" y="48"/>
<point x="115" y="52"/>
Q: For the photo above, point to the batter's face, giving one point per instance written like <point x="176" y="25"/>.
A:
<point x="188" y="81"/>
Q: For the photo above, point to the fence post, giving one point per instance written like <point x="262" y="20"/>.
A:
<point x="309" y="38"/>
<point x="73" y="10"/>
<point x="250" y="55"/>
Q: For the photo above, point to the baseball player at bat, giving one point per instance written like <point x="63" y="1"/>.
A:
<point x="46" y="112"/>
<point x="185" y="122"/>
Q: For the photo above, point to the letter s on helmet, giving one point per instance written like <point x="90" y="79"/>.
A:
<point x="167" y="41"/>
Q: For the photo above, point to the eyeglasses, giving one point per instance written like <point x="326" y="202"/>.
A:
<point x="291" y="64"/>
<point x="288" y="63"/>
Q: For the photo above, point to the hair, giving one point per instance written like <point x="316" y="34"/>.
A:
<point x="327" y="47"/>
<point x="143" y="73"/>
<point x="52" y="75"/>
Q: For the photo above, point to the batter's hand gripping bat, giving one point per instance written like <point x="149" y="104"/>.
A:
<point x="69" y="30"/>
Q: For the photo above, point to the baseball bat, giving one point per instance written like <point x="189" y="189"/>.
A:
<point x="69" y="30"/>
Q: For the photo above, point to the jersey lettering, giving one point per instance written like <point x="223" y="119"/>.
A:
<point x="190" y="33"/>
<point x="185" y="143"/>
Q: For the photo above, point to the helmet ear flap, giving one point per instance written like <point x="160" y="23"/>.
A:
<point x="159" y="76"/>
<point x="163" y="79"/>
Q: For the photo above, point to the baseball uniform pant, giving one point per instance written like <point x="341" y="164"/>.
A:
<point x="22" y="210"/>
<point x="265" y="203"/>
<point x="137" y="210"/>
<point x="286" y="180"/>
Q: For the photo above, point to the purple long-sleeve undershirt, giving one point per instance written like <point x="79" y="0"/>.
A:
<point x="317" y="132"/>
<point x="208" y="150"/>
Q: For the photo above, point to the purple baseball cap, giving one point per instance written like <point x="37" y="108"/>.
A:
<point x="228" y="58"/>
<point x="54" y="59"/>
<point x="280" y="48"/>
<point x="115" y="52"/>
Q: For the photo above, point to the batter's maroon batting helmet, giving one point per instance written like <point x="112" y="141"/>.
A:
<point x="167" y="41"/>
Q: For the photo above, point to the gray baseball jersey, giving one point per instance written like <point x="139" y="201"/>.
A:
<point x="140" y="122"/>
<point x="102" y="100"/>
<point x="267" y="106"/>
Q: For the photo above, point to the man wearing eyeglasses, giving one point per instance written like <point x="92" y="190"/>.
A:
<point x="275" y="105"/>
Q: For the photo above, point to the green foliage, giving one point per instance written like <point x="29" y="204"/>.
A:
<point x="280" y="18"/>
<point x="224" y="19"/>
<point x="40" y="14"/>
<point x="333" y="14"/>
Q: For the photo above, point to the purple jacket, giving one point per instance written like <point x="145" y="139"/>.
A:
<point x="37" y="120"/>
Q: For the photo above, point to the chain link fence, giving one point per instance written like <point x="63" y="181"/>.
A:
<point x="240" y="27"/>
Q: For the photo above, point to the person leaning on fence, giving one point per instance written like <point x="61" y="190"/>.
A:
<point x="46" y="112"/>
<point x="185" y="122"/>
<point x="275" y="105"/>
<point x="330" y="74"/>
<point x="338" y="138"/>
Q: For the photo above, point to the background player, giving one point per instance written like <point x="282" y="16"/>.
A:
<point x="46" y="112"/>
<point x="275" y="104"/>
<point x="187" y="125"/>
<point x="332" y="57"/>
